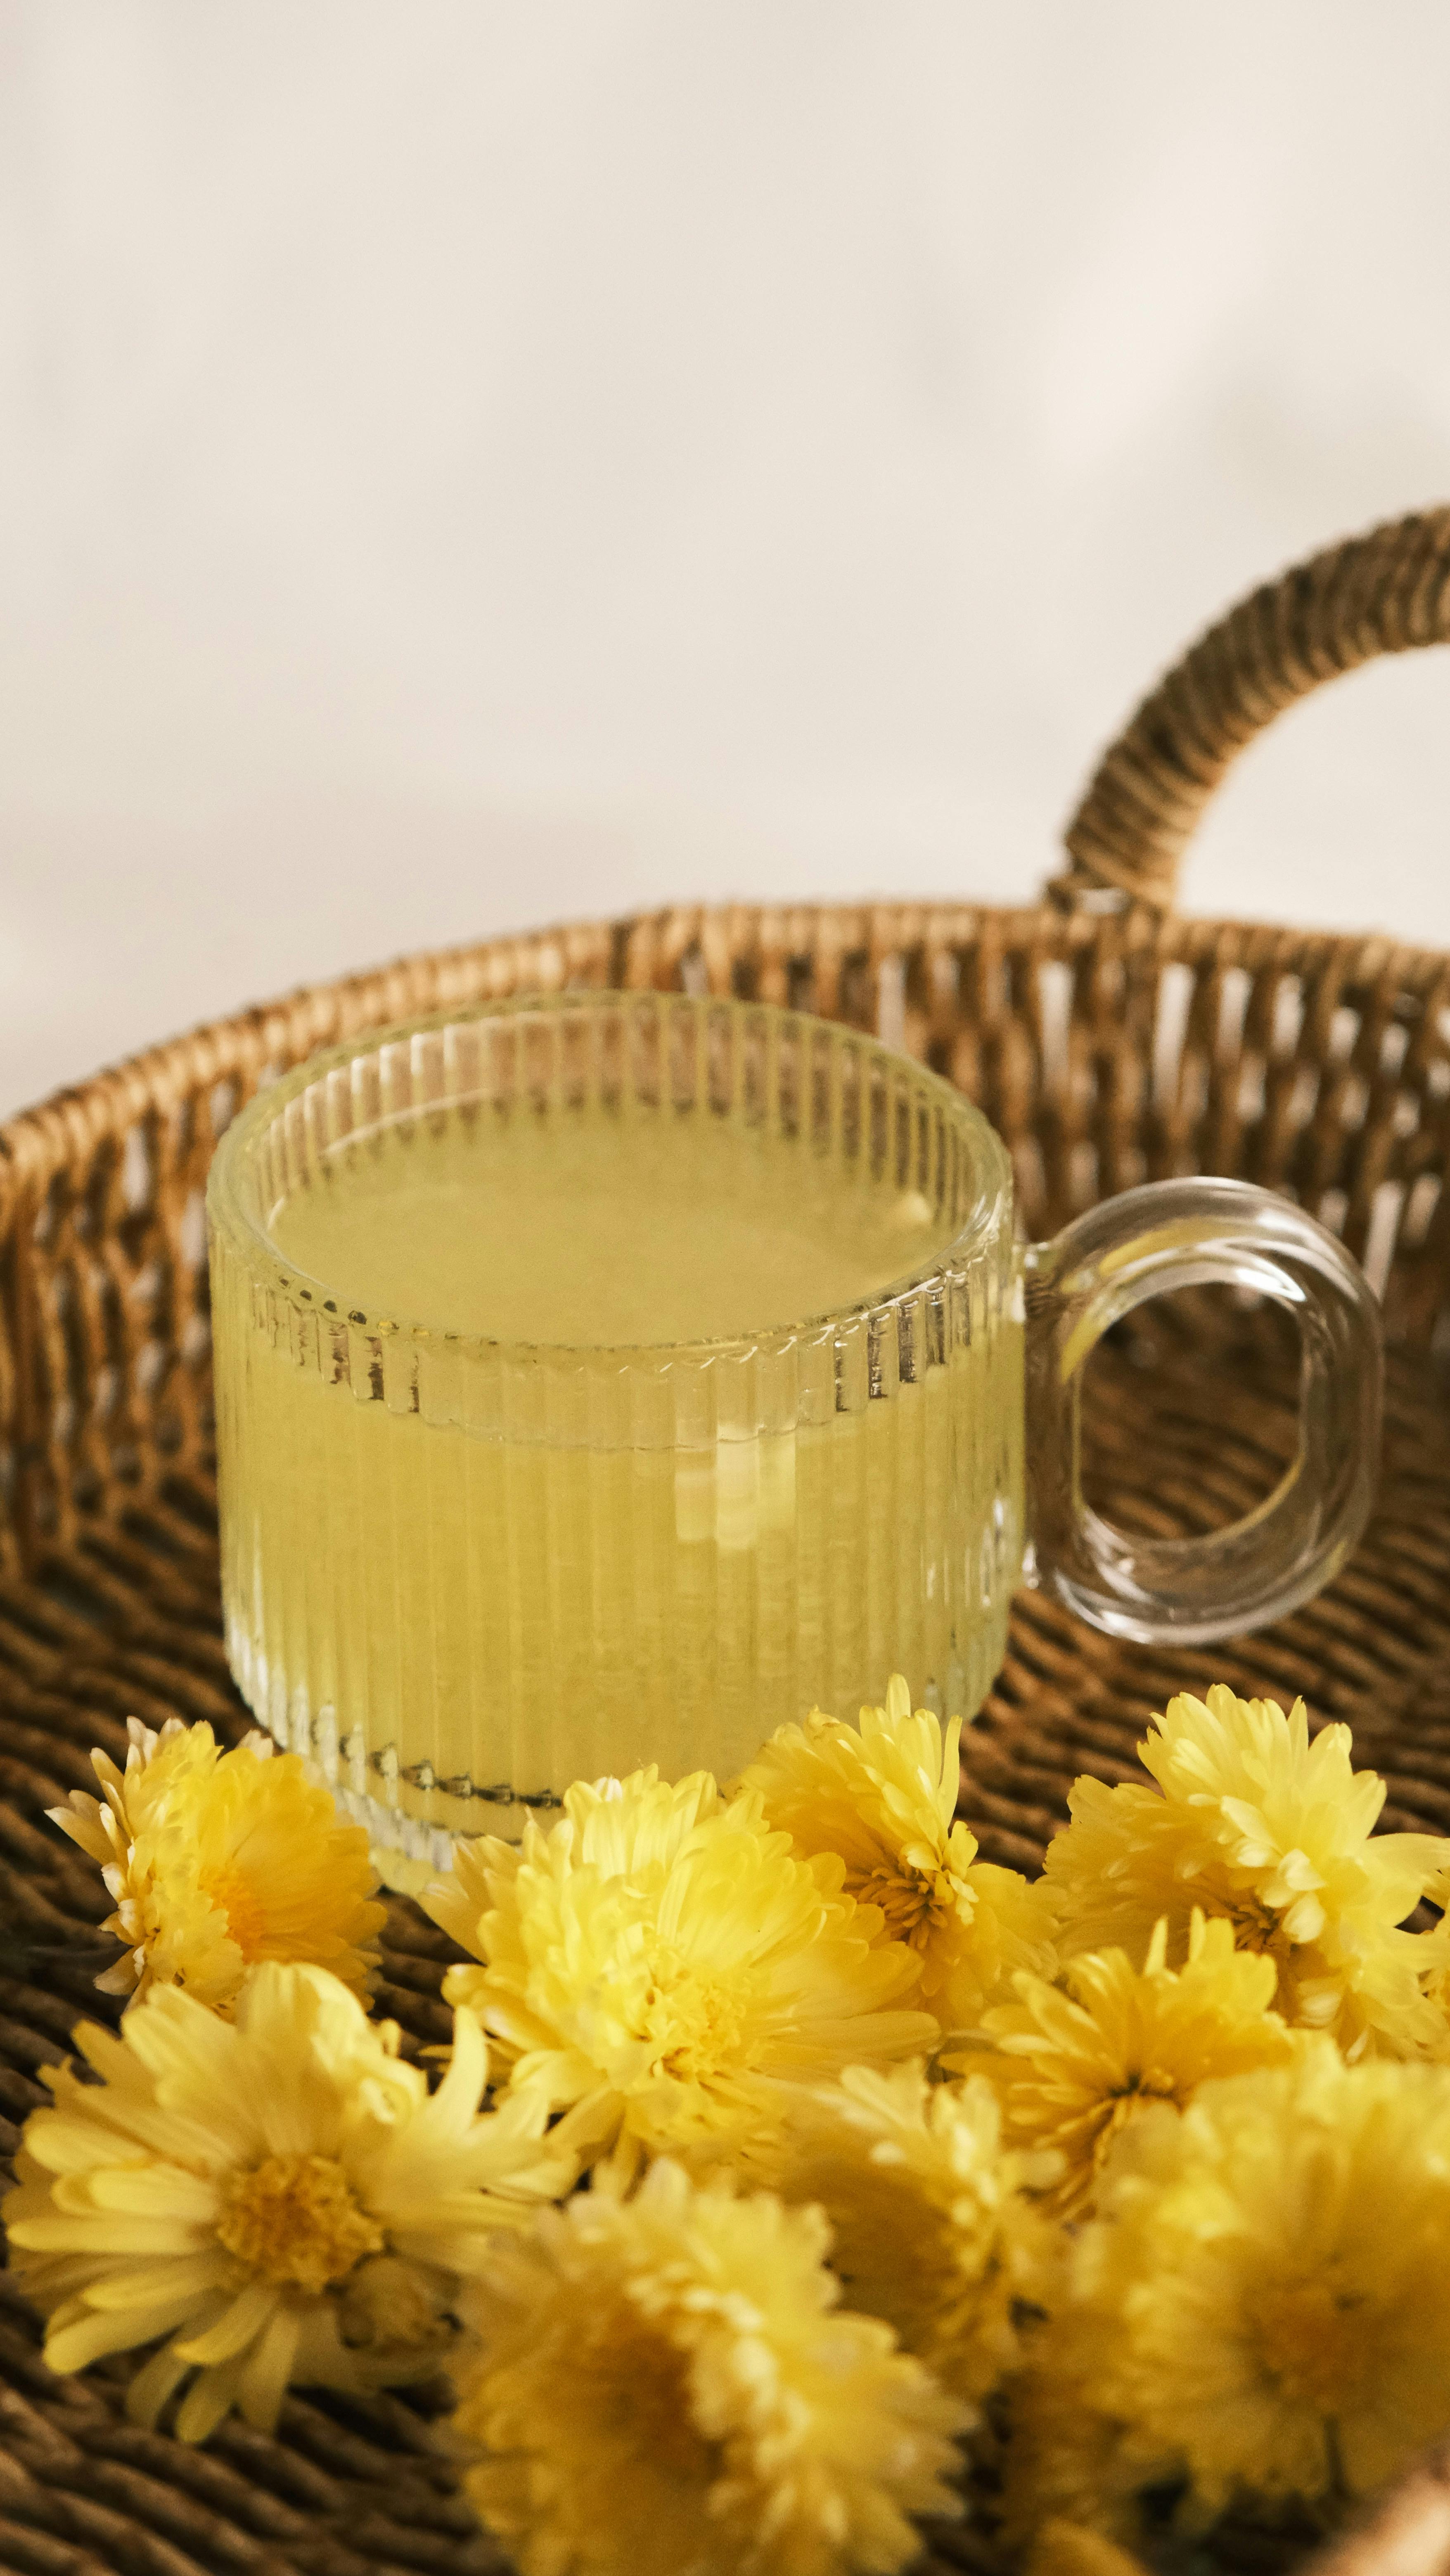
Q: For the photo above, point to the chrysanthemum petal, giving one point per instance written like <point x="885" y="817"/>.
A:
<point x="267" y="2368"/>
<point x="75" y="2232"/>
<point x="154" y="2384"/>
<point x="162" y="2191"/>
<point x="454" y="2106"/>
<point x="100" y="2331"/>
<point x="235" y="2329"/>
<point x="183" y="2277"/>
<point x="211" y="2396"/>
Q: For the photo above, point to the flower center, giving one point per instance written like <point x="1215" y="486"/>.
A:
<point x="697" y="2023"/>
<point x="1311" y="2341"/>
<point x="1144" y="2085"/>
<point x="636" y="2387"/>
<point x="294" y="2219"/>
<point x="1257" y="1927"/>
<point x="910" y="1900"/>
<point x="1088" y="2138"/>
<point x="233" y="1896"/>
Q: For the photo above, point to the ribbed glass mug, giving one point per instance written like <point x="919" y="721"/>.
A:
<point x="462" y="1567"/>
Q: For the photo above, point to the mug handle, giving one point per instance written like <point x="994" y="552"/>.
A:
<point x="1181" y="1234"/>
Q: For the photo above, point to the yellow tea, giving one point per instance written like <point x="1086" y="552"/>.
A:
<point x="611" y="1400"/>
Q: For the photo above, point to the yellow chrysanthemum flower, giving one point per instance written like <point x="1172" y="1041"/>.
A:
<point x="1253" y="1821"/>
<point x="883" y="1797"/>
<point x="666" y="2383"/>
<point x="659" y="1958"/>
<point x="216" y="1860"/>
<point x="930" y="2226"/>
<point x="1268" y="2280"/>
<point x="1075" y="2063"/>
<point x="279" y="2197"/>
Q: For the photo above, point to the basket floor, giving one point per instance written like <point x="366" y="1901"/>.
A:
<point x="127" y="1622"/>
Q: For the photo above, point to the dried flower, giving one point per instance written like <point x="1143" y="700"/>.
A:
<point x="1268" y="2280"/>
<point x="217" y="1860"/>
<point x="932" y="2228"/>
<point x="666" y="2384"/>
<point x="278" y="2197"/>
<point x="883" y="1797"/>
<point x="660" y="1959"/>
<point x="1254" y="1822"/>
<point x="1075" y="2063"/>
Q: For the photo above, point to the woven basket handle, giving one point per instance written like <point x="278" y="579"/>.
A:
<point x="1379" y="593"/>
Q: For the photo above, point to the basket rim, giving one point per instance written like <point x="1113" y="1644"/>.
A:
<point x="38" y="1140"/>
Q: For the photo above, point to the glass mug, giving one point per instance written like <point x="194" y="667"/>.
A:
<point x="608" y="1378"/>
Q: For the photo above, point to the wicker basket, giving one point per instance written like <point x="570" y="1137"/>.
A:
<point x="1111" y="1042"/>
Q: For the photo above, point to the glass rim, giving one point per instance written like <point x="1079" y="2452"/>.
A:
<point x="308" y="1294"/>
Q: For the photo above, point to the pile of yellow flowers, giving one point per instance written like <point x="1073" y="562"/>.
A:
<point x="795" y="2173"/>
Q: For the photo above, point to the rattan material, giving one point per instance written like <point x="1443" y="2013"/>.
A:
<point x="1109" y="1044"/>
<point x="1381" y="593"/>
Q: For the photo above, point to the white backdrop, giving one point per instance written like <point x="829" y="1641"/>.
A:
<point x="464" y="464"/>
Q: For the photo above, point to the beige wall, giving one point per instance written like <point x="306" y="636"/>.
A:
<point x="467" y="464"/>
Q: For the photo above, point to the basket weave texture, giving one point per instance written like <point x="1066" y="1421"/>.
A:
<point x="1110" y="1041"/>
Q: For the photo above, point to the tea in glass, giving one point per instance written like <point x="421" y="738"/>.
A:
<point x="608" y="1382"/>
